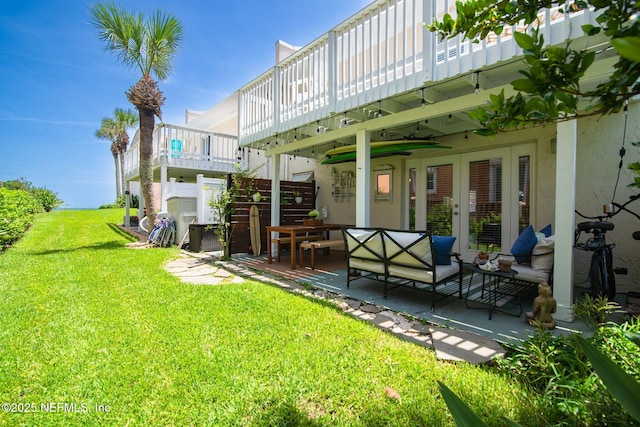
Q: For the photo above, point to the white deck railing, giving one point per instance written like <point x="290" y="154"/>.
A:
<point x="382" y="51"/>
<point x="183" y="147"/>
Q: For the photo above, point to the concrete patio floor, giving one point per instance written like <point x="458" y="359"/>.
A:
<point x="451" y="312"/>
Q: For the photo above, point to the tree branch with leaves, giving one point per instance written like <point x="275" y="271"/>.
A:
<point x="551" y="89"/>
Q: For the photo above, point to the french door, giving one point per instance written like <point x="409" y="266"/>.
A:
<point x="483" y="198"/>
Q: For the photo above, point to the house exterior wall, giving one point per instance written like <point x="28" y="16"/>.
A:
<point x="599" y="141"/>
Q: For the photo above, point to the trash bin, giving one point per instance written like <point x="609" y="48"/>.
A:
<point x="203" y="238"/>
<point x="195" y="237"/>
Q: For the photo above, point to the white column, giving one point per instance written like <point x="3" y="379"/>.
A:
<point x="127" y="205"/>
<point x="565" y="219"/>
<point x="275" y="196"/>
<point x="363" y="178"/>
<point x="163" y="188"/>
<point x="201" y="199"/>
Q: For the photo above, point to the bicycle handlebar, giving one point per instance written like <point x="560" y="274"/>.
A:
<point x="610" y="213"/>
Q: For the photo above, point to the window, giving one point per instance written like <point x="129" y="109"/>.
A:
<point x="432" y="180"/>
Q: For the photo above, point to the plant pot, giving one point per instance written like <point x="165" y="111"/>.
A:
<point x="505" y="265"/>
<point x="298" y="199"/>
<point x="311" y="222"/>
<point x="257" y="197"/>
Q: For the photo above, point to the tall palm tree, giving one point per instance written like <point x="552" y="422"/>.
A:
<point x="125" y="120"/>
<point x="109" y="131"/>
<point x="149" y="45"/>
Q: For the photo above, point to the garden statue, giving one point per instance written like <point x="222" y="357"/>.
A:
<point x="543" y="306"/>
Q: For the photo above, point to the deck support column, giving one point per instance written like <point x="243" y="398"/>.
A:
<point x="163" y="188"/>
<point x="275" y="197"/>
<point x="363" y="178"/>
<point x="565" y="219"/>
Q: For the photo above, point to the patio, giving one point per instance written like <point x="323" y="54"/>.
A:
<point x="330" y="275"/>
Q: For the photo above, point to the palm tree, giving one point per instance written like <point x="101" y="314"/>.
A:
<point x="109" y="131"/>
<point x="125" y="120"/>
<point x="149" y="45"/>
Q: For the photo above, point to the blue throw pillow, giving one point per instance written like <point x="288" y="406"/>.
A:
<point x="523" y="246"/>
<point x="547" y="231"/>
<point x="442" y="246"/>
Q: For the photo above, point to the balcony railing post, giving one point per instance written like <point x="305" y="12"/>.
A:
<point x="276" y="91"/>
<point x="241" y="111"/>
<point x="332" y="69"/>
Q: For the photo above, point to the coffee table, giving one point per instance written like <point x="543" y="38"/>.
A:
<point x="497" y="285"/>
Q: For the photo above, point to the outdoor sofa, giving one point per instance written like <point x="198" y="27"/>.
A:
<point x="532" y="256"/>
<point x="400" y="258"/>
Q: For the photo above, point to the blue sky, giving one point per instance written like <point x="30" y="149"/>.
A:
<point x="57" y="82"/>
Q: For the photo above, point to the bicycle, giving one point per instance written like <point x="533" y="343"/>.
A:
<point x="601" y="277"/>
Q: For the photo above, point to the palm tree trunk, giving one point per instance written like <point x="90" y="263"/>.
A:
<point x="115" y="161"/>
<point x="123" y="184"/>
<point x="147" y="123"/>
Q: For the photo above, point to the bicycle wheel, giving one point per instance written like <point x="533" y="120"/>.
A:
<point x="601" y="277"/>
<point x="609" y="287"/>
<point x="595" y="276"/>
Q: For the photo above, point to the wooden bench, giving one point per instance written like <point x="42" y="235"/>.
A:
<point x="320" y="244"/>
<point x="299" y="239"/>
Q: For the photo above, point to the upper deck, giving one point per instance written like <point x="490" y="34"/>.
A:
<point x="381" y="61"/>
<point x="188" y="151"/>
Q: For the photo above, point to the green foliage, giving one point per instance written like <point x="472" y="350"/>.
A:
<point x="551" y="90"/>
<point x="147" y="43"/>
<point x="17" y="211"/>
<point x="593" y="311"/>
<point x="622" y="384"/>
<point x="462" y="414"/>
<point x="48" y="199"/>
<point x="121" y="202"/>
<point x="439" y="219"/>
<point x="635" y="167"/>
<point x="221" y="202"/>
<point x="624" y="387"/>
<point x="555" y="368"/>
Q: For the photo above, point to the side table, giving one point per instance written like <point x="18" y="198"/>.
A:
<point x="491" y="284"/>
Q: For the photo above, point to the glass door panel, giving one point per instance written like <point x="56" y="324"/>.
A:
<point x="412" y="198"/>
<point x="439" y="187"/>
<point x="485" y="204"/>
<point x="524" y="192"/>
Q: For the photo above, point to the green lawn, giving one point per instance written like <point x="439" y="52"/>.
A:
<point x="86" y="321"/>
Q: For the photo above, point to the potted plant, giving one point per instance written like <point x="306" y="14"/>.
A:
<point x="313" y="218"/>
<point x="257" y="196"/>
<point x="297" y="197"/>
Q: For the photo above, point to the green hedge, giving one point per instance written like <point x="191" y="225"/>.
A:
<point x="17" y="210"/>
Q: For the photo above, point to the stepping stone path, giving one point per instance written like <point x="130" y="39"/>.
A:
<point x="200" y="270"/>
<point x="449" y="344"/>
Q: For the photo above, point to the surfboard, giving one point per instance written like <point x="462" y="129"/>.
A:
<point x="254" y="229"/>
<point x="351" y="157"/>
<point x="380" y="144"/>
<point x="377" y="150"/>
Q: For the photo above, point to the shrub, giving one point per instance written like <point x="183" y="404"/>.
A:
<point x="556" y="368"/>
<point x="17" y="210"/>
<point x="121" y="202"/>
<point x="47" y="198"/>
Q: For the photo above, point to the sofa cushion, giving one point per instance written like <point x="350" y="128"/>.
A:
<point x="547" y="230"/>
<point x="529" y="274"/>
<point x="407" y="248"/>
<point x="365" y="244"/>
<point x="542" y="255"/>
<point x="442" y="245"/>
<point x="523" y="246"/>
